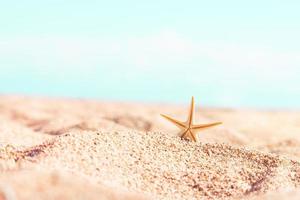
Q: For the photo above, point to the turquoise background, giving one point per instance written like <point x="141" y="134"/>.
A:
<point x="225" y="53"/>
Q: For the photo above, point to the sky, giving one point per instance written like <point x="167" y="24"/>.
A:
<point x="225" y="53"/>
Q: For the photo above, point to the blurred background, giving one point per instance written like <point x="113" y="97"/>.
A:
<point x="225" y="53"/>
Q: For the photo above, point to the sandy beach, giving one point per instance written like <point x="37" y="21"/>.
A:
<point x="87" y="149"/>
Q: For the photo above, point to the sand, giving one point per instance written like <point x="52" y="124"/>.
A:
<point x="84" y="149"/>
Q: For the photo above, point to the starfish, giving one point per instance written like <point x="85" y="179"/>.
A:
<point x="188" y="129"/>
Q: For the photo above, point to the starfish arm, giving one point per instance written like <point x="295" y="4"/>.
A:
<point x="192" y="111"/>
<point x="176" y="122"/>
<point x="194" y="137"/>
<point x="183" y="133"/>
<point x="204" y="126"/>
<point x="189" y="135"/>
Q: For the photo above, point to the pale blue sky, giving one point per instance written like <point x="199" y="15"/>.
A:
<point x="225" y="53"/>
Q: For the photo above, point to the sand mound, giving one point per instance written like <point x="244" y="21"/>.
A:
<point x="166" y="167"/>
